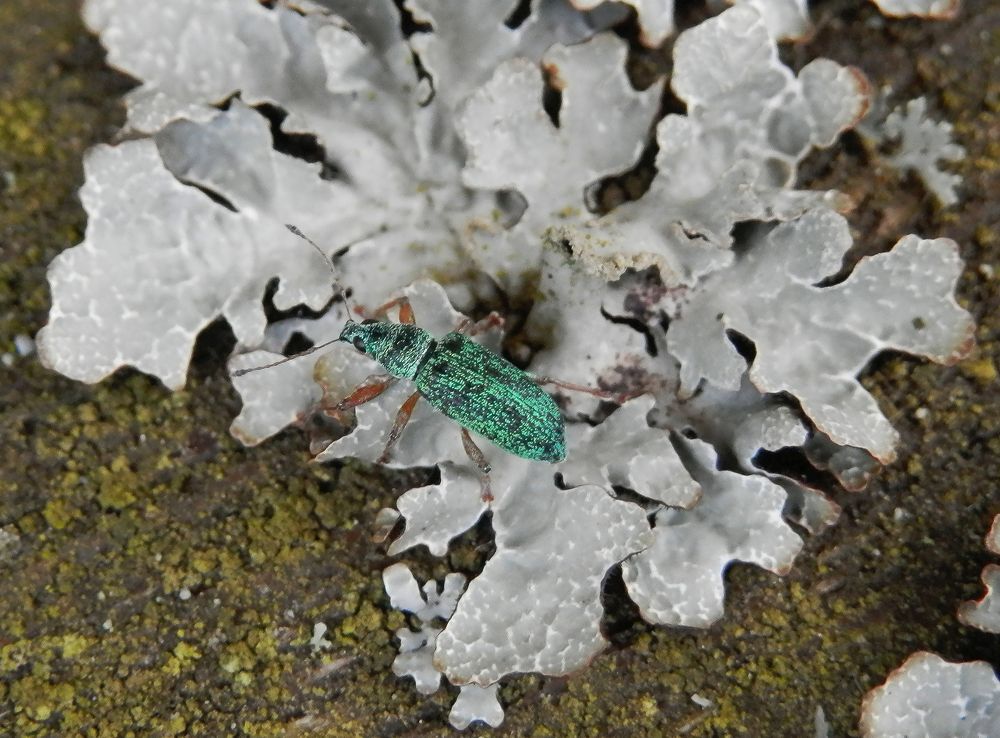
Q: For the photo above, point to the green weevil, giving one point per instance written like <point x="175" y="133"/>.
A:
<point x="478" y="389"/>
<point x="470" y="384"/>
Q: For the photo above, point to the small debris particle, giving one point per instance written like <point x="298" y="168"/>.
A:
<point x="702" y="702"/>
<point x="822" y="726"/>
<point x="24" y="345"/>
<point x="829" y="585"/>
<point x="385" y="521"/>
<point x="921" y="413"/>
<point x="184" y="594"/>
<point x="319" y="640"/>
<point x="10" y="542"/>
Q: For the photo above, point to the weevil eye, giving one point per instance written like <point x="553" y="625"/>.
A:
<point x="359" y="344"/>
<point x="368" y="321"/>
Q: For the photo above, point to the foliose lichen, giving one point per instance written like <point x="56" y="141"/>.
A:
<point x="460" y="165"/>
<point x="916" y="143"/>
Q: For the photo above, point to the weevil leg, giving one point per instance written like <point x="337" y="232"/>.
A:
<point x="474" y="328"/>
<point x="405" y="310"/>
<point x="617" y="397"/>
<point x="402" y="418"/>
<point x="479" y="459"/>
<point x="368" y="390"/>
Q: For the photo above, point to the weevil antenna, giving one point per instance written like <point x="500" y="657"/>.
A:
<point x="241" y="372"/>
<point x="329" y="265"/>
<point x="340" y="289"/>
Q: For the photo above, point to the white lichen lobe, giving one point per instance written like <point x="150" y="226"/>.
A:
<point x="930" y="697"/>
<point x="923" y="144"/>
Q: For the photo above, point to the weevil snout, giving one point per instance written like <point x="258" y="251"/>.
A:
<point x="353" y="334"/>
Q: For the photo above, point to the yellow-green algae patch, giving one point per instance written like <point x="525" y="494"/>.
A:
<point x="166" y="581"/>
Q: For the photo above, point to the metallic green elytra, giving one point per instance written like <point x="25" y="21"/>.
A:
<point x="470" y="384"/>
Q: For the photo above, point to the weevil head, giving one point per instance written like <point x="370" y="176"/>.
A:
<point x="359" y="335"/>
<point x="397" y="347"/>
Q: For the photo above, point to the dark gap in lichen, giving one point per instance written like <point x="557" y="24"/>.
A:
<point x="608" y="193"/>
<point x="622" y="621"/>
<point x="552" y="94"/>
<point x="834" y="279"/>
<point x="213" y="346"/>
<point x="519" y="15"/>
<point x="627" y="27"/>
<point x="227" y="102"/>
<point x="743" y="345"/>
<point x="644" y="66"/>
<point x="302" y="146"/>
<point x="409" y="27"/>
<point x="273" y="314"/>
<point x="630" y="495"/>
<point x="793" y="463"/>
<point x="847" y="265"/>
<point x="425" y="76"/>
<point x="689" y="13"/>
<point x="408" y="23"/>
<point x="297" y="343"/>
<point x="469" y="552"/>
<point x="323" y="428"/>
<point x="636" y="325"/>
<point x="670" y="104"/>
<point x="745" y="233"/>
<point x="211" y="195"/>
<point x="820" y="165"/>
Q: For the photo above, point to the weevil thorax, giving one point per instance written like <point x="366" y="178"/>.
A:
<point x="398" y="347"/>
